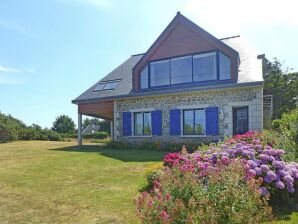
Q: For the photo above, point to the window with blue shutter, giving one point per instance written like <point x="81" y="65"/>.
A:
<point x="156" y="119"/>
<point x="175" y="124"/>
<point x="211" y="121"/>
<point x="126" y="119"/>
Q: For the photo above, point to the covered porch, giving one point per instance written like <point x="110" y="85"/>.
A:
<point x="99" y="109"/>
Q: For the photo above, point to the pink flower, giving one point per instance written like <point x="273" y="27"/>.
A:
<point x="164" y="216"/>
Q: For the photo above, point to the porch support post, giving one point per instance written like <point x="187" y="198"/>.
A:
<point x="80" y="130"/>
<point x="112" y="129"/>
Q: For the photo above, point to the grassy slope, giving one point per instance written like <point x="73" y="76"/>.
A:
<point x="52" y="182"/>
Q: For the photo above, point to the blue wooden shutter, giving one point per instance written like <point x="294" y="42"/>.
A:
<point x="211" y="121"/>
<point x="126" y="122"/>
<point x="156" y="122"/>
<point x="175" y="124"/>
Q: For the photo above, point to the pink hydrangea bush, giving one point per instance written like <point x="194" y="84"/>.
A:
<point x="261" y="162"/>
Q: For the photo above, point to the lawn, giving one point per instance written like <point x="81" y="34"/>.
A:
<point x="54" y="182"/>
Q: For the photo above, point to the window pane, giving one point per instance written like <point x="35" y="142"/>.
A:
<point x="160" y="73"/>
<point x="181" y="70"/>
<point x="188" y="122"/>
<point x="138" y="123"/>
<point x="200" y="121"/>
<point x="144" y="78"/>
<point x="111" y="85"/>
<point x="204" y="67"/>
<point x="147" y="123"/>
<point x="99" y="86"/>
<point x="224" y="67"/>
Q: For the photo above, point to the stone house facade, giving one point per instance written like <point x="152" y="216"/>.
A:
<point x="188" y="86"/>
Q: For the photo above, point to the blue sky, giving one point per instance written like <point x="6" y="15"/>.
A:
<point x="53" y="50"/>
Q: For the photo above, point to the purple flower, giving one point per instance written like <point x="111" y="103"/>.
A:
<point x="290" y="189"/>
<point x="278" y="164"/>
<point x="288" y="179"/>
<point x="263" y="191"/>
<point x="251" y="163"/>
<point x="279" y="185"/>
<point x="238" y="145"/>
<point x="270" y="176"/>
<point x="265" y="168"/>
<point x="251" y="173"/>
<point x="264" y="157"/>
<point x="259" y="147"/>
<point x="280" y="152"/>
<point x="258" y="170"/>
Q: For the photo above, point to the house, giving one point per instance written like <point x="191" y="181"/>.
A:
<point x="188" y="86"/>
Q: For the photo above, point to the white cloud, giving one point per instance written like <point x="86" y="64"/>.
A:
<point x="6" y="69"/>
<point x="231" y="16"/>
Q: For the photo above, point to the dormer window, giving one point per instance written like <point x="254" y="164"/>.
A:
<point x="106" y="85"/>
<point x="211" y="66"/>
<point x="204" y="67"/>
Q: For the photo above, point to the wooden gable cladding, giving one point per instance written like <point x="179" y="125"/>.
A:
<point x="181" y="41"/>
<point x="100" y="109"/>
<point x="183" y="37"/>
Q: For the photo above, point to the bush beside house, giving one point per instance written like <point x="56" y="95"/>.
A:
<point x="229" y="183"/>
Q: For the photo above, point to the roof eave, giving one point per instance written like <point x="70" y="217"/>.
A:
<point x="169" y="91"/>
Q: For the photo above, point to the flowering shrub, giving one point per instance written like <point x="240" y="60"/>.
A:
<point x="201" y="187"/>
<point x="152" y="172"/>
<point x="179" y="196"/>
<point x="263" y="163"/>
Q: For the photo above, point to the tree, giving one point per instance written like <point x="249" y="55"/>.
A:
<point x="104" y="124"/>
<point x="283" y="85"/>
<point x="64" y="124"/>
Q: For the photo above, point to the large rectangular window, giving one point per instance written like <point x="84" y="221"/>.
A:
<point x="194" y="122"/>
<point x="160" y="73"/>
<point x="211" y="66"/>
<point x="204" y="67"/>
<point x="144" y="78"/>
<point x="142" y="123"/>
<point x="224" y="67"/>
<point x="181" y="70"/>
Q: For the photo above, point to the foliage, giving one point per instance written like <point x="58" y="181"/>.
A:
<point x="9" y="128"/>
<point x="282" y="85"/>
<point x="12" y="129"/>
<point x="179" y="196"/>
<point x="64" y="124"/>
<point x="263" y="167"/>
<point x="104" y="124"/>
<point x="97" y="135"/>
<point x="152" y="172"/>
<point x="155" y="145"/>
<point x="287" y="128"/>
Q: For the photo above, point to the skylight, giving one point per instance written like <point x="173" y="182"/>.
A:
<point x="107" y="85"/>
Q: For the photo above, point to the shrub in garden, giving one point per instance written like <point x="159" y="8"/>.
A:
<point x="179" y="196"/>
<point x="152" y="173"/>
<point x="259" y="167"/>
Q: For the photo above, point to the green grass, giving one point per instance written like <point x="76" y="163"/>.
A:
<point x="54" y="182"/>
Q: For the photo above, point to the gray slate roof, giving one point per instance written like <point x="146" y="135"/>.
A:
<point x="250" y="73"/>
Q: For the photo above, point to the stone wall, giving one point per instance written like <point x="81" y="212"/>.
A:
<point x="225" y="100"/>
